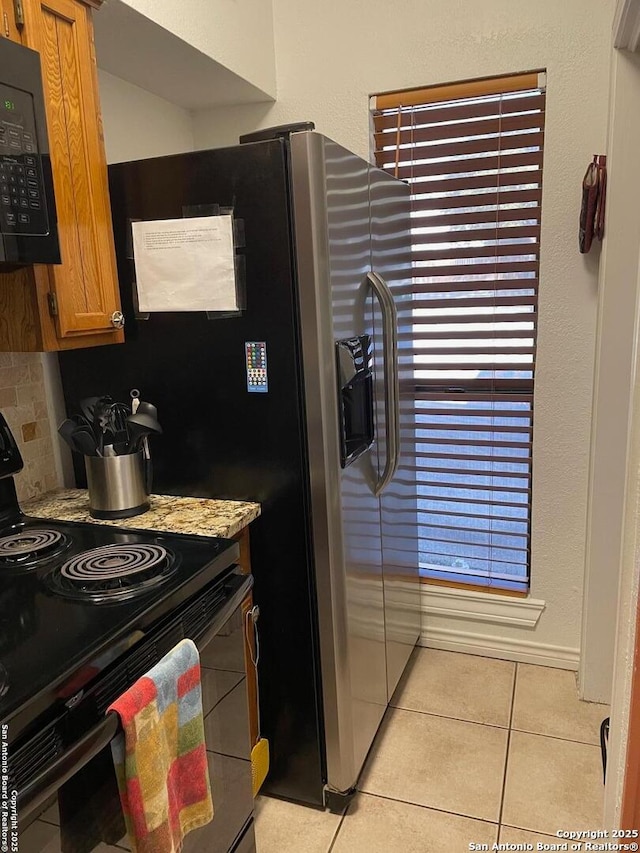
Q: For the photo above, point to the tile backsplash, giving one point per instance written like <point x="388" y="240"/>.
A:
<point x="23" y="403"/>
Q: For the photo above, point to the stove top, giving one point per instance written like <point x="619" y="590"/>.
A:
<point x="113" y="572"/>
<point x="26" y="548"/>
<point x="73" y="596"/>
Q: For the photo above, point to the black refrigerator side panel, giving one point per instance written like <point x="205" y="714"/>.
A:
<point x="219" y="440"/>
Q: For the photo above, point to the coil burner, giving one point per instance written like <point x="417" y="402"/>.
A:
<point x="113" y="572"/>
<point x="30" y="547"/>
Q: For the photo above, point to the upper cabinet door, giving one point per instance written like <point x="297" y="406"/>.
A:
<point x="86" y="284"/>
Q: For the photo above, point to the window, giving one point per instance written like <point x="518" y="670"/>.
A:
<point x="472" y="154"/>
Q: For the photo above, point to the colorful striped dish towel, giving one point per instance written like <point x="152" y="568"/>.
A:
<point x="160" y="757"/>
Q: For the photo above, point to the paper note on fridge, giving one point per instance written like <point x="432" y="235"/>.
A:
<point x="185" y="264"/>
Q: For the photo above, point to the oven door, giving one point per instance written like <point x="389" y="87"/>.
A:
<point x="226" y="723"/>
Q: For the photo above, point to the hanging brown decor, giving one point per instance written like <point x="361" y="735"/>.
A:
<point x="594" y="192"/>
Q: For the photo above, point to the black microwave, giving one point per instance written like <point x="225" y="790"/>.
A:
<point x="28" y="227"/>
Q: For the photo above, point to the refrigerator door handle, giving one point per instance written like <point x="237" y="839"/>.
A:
<point x="391" y="378"/>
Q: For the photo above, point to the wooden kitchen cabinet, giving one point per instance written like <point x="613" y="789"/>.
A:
<point x="244" y="562"/>
<point x="249" y="657"/>
<point x="74" y="304"/>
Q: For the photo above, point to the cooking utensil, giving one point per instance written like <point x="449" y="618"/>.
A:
<point x="102" y="420"/>
<point x="77" y="433"/>
<point x="141" y="425"/>
<point x="149" y="409"/>
<point x="145" y="420"/>
<point x="148" y="466"/>
<point x="135" y="400"/>
<point x="118" y="414"/>
<point x="145" y="408"/>
<point x="137" y="436"/>
<point x="66" y="431"/>
<point x="85" y="441"/>
<point x="87" y="407"/>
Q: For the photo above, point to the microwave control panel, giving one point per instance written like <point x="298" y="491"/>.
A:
<point x="22" y="204"/>
<point x="256" y="365"/>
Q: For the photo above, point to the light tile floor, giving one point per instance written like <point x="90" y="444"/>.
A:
<point x="472" y="749"/>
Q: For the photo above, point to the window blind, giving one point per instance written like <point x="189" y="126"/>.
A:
<point x="472" y="154"/>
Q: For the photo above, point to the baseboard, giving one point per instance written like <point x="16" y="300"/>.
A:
<point x="523" y="651"/>
<point x="460" y="607"/>
<point x="456" y="603"/>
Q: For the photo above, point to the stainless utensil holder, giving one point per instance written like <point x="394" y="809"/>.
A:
<point x="117" y="485"/>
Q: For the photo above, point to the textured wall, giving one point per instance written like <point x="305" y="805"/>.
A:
<point x="331" y="56"/>
<point x="236" y="33"/>
<point x="138" y="124"/>
<point x="23" y="403"/>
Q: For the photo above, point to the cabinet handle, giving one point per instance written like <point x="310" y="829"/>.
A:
<point x="117" y="319"/>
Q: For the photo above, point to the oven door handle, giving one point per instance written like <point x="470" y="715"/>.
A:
<point x="224" y="614"/>
<point x="46" y="783"/>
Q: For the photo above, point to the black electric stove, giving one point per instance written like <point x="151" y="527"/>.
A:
<point x="59" y="629"/>
<point x="85" y="611"/>
<point x="74" y="597"/>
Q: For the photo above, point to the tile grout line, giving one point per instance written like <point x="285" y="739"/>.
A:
<point x="506" y="757"/>
<point x="339" y="827"/>
<point x="449" y="717"/>
<point x="527" y="829"/>
<point x="508" y="727"/>
<point x="513" y="694"/>
<point x="556" y="737"/>
<point x="429" y="808"/>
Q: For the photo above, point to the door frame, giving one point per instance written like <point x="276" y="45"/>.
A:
<point x="622" y="789"/>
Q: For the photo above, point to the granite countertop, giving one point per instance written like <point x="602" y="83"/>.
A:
<point x="170" y="514"/>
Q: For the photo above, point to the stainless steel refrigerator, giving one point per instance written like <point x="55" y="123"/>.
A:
<point x="324" y="439"/>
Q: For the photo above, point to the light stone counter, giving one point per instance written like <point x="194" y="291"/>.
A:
<point x="169" y="514"/>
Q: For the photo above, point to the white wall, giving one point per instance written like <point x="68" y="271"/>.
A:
<point x="138" y="124"/>
<point x="330" y="57"/>
<point x="236" y="33"/>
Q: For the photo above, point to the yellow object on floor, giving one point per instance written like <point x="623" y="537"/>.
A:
<point x="260" y="750"/>
<point x="259" y="764"/>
